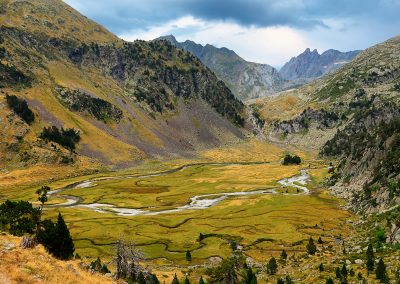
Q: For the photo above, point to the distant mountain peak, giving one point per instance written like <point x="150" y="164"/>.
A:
<point x="169" y="38"/>
<point x="245" y="79"/>
<point x="311" y="64"/>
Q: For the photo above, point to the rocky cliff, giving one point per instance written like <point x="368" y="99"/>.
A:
<point x="310" y="64"/>
<point x="247" y="80"/>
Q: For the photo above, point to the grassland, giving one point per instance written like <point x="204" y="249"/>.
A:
<point x="262" y="225"/>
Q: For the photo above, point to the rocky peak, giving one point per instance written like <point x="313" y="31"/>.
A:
<point x="311" y="64"/>
<point x="245" y="79"/>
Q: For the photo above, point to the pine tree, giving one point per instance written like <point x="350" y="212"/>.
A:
<point x="344" y="271"/>
<point x="288" y="280"/>
<point x="320" y="241"/>
<point x="64" y="241"/>
<point x="381" y="271"/>
<point x="201" y="281"/>
<point x="370" y="258"/>
<point x="186" y="280"/>
<point x="57" y="239"/>
<point x="188" y="256"/>
<point x="352" y="273"/>
<point x="329" y="281"/>
<point x="272" y="266"/>
<point x="311" y="248"/>
<point x="250" y="277"/>
<point x="280" y="281"/>
<point x="140" y="278"/>
<point x="321" y="267"/>
<point x="338" y="273"/>
<point x="175" y="280"/>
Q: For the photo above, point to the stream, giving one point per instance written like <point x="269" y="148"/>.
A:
<point x="197" y="202"/>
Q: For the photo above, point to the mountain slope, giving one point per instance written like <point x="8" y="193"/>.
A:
<point x="352" y="116"/>
<point x="129" y="101"/>
<point x="311" y="64"/>
<point x="246" y="79"/>
<point x="35" y="265"/>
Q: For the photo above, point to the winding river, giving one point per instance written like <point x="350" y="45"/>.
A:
<point x="197" y="202"/>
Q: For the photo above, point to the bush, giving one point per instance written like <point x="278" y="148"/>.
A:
<point x="67" y="138"/>
<point x="291" y="160"/>
<point x="20" y="108"/>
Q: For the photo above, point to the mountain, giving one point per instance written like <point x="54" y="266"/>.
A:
<point x="310" y="64"/>
<point x="109" y="100"/>
<point x="351" y="116"/>
<point x="247" y="80"/>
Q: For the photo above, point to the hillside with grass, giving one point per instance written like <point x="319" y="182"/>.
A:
<point x="105" y="100"/>
<point x="36" y="265"/>
<point x="351" y="116"/>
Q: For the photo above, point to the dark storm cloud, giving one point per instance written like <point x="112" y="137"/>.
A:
<point x="122" y="15"/>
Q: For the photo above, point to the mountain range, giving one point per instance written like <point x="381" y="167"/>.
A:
<point x="249" y="80"/>
<point x="311" y="64"/>
<point x="246" y="79"/>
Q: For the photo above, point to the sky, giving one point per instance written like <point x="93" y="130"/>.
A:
<point x="263" y="31"/>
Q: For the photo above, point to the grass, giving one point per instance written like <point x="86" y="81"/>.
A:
<point x="164" y="239"/>
<point x="263" y="225"/>
<point x="19" y="265"/>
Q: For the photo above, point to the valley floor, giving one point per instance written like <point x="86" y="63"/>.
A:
<point x="280" y="215"/>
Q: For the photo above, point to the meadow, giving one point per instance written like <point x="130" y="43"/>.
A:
<point x="260" y="225"/>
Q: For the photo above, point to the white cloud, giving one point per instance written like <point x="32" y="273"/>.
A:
<point x="271" y="45"/>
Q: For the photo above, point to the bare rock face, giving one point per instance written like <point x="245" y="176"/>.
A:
<point x="247" y="80"/>
<point x="311" y="64"/>
<point x="394" y="236"/>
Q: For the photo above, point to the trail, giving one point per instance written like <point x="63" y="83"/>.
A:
<point x="198" y="202"/>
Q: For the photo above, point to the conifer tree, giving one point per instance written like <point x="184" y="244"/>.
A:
<point x="381" y="271"/>
<point x="140" y="278"/>
<point x="175" y="280"/>
<point x="272" y="266"/>
<point x="57" y="239"/>
<point x="250" y="277"/>
<point x="280" y="281"/>
<point x="329" y="281"/>
<point x="283" y="256"/>
<point x="188" y="256"/>
<point x="187" y="280"/>
<point x="201" y="281"/>
<point x="65" y="245"/>
<point x="370" y="258"/>
<point x="344" y="271"/>
<point x="321" y="267"/>
<point x="288" y="280"/>
<point x="338" y="273"/>
<point x="311" y="247"/>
